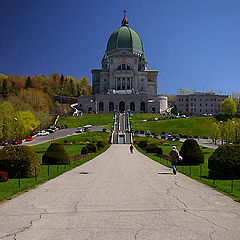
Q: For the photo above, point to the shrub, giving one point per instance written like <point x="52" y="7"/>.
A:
<point x="100" y="144"/>
<point x="143" y="144"/>
<point x="73" y="142"/>
<point x="191" y="153"/>
<point x="152" y="148"/>
<point x="224" y="163"/>
<point x="19" y="161"/>
<point x="159" y="151"/>
<point x="65" y="141"/>
<point x="84" y="150"/>
<point x="91" y="147"/>
<point x="55" y="154"/>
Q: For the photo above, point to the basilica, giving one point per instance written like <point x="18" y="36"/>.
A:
<point x="124" y="83"/>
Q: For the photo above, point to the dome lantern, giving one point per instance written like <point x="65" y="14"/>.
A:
<point x="125" y="38"/>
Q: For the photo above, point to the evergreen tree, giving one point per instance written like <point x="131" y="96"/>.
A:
<point x="28" y="83"/>
<point x="61" y="80"/>
<point x="191" y="153"/>
<point x="4" y="88"/>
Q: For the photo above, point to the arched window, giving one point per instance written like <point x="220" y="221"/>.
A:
<point x="132" y="106"/>
<point x="123" y="66"/>
<point x="101" y="107"/>
<point x="142" y="106"/>
<point x="121" y="106"/>
<point x="111" y="106"/>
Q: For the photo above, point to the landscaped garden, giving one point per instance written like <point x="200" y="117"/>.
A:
<point x="94" y="142"/>
<point x="227" y="181"/>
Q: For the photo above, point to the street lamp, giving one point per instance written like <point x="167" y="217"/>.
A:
<point x="236" y="133"/>
<point x="15" y="119"/>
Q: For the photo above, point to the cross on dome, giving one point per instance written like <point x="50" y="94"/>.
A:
<point x="125" y="20"/>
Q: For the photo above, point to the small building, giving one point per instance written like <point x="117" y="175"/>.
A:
<point x="124" y="82"/>
<point x="199" y="103"/>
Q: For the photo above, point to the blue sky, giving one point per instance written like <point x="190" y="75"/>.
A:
<point x="195" y="44"/>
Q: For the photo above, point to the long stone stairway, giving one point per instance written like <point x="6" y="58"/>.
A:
<point x="121" y="133"/>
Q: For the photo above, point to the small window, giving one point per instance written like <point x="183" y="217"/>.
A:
<point x="128" y="68"/>
<point x="119" y="67"/>
<point x="123" y="66"/>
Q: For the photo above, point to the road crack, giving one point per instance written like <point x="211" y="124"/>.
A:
<point x="207" y="220"/>
<point x="175" y="197"/>
<point x="25" y="228"/>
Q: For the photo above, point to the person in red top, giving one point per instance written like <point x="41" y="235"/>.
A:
<point x="131" y="148"/>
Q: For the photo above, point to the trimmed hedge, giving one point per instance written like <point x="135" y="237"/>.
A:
<point x="19" y="161"/>
<point x="84" y="150"/>
<point x="101" y="144"/>
<point x="91" y="147"/>
<point x="191" y="153"/>
<point x="56" y="154"/>
<point x="224" y="163"/>
<point x="143" y="144"/>
<point x="152" y="148"/>
<point x="159" y="151"/>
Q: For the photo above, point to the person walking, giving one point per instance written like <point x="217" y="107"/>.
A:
<point x="131" y="148"/>
<point x="174" y="158"/>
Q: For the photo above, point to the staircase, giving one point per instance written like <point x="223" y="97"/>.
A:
<point x="121" y="133"/>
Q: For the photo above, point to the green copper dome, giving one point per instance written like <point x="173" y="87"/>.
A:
<point x="125" y="38"/>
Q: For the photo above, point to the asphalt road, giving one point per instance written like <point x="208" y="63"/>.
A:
<point x="122" y="196"/>
<point x="58" y="134"/>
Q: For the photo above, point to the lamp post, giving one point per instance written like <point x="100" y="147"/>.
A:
<point x="236" y="130"/>
<point x="15" y="119"/>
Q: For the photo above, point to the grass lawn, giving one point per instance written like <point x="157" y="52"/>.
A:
<point x="12" y="188"/>
<point x="200" y="126"/>
<point x="137" y="117"/>
<point x="199" y="173"/>
<point x="92" y="119"/>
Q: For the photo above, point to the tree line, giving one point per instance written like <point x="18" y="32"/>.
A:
<point x="226" y="132"/>
<point x="26" y="104"/>
<point x="54" y="84"/>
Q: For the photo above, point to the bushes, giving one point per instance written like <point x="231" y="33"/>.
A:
<point x="159" y="151"/>
<point x="91" y="147"/>
<point x="152" y="148"/>
<point x="84" y="150"/>
<point x="143" y="144"/>
<point x="191" y="153"/>
<point x="101" y="144"/>
<point x="225" y="162"/>
<point x="56" y="154"/>
<point x="19" y="161"/>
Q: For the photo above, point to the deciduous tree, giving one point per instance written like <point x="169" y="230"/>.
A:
<point x="229" y="106"/>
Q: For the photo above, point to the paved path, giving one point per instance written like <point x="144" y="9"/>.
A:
<point x="125" y="197"/>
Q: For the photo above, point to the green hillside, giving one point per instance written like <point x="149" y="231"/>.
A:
<point x="200" y="126"/>
<point x="92" y="119"/>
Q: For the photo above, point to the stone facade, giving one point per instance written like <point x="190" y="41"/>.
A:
<point x="124" y="82"/>
<point x="200" y="103"/>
